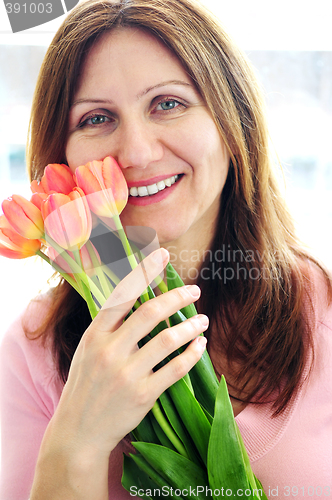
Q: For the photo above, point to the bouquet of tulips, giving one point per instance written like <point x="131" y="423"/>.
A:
<point x="189" y="442"/>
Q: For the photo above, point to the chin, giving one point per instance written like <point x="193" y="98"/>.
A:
<point x="165" y="228"/>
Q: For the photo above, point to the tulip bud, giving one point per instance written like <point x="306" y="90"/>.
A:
<point x="38" y="198"/>
<point x="13" y="245"/>
<point x="104" y="185"/>
<point x="24" y="217"/>
<point x="67" y="219"/>
<point x="57" y="178"/>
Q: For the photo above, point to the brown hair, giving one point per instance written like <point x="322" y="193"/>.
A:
<point x="265" y="324"/>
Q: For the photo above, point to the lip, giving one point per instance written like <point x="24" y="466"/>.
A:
<point x="142" y="201"/>
<point x="148" y="182"/>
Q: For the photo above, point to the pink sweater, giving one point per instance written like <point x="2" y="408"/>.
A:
<point x="290" y="454"/>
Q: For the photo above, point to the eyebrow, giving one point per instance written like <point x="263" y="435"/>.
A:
<point x="139" y="96"/>
<point x="163" y="84"/>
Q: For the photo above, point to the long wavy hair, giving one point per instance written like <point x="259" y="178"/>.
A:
<point x="257" y="298"/>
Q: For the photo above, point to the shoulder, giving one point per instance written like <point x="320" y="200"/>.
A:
<point x="322" y="331"/>
<point x="27" y="362"/>
<point x="318" y="294"/>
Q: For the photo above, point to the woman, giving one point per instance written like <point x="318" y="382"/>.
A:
<point x="160" y="87"/>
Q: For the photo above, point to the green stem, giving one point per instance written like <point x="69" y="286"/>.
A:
<point x="159" y="416"/>
<point x="106" y="287"/>
<point x="86" y="285"/>
<point x="77" y="269"/>
<point x="160" y="283"/>
<point x="66" y="276"/>
<point x="127" y="248"/>
<point x="113" y="277"/>
<point x="125" y="242"/>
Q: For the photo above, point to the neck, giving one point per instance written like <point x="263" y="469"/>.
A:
<point x="187" y="253"/>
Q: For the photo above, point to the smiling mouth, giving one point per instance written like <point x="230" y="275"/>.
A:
<point x="152" y="189"/>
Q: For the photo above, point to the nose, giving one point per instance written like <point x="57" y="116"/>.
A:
<point x="137" y="145"/>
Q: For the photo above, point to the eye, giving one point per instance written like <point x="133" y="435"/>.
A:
<point x="94" y="120"/>
<point x="168" y="105"/>
<point x="98" y="119"/>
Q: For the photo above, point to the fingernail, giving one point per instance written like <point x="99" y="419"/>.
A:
<point x="202" y="341"/>
<point x="203" y="320"/>
<point x="194" y="290"/>
<point x="160" y="256"/>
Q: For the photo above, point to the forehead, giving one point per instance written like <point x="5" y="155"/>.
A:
<point x="131" y="53"/>
<point x="119" y="39"/>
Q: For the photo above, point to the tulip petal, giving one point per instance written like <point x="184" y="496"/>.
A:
<point x="38" y="198"/>
<point x="24" y="217"/>
<point x="13" y="245"/>
<point x="67" y="219"/>
<point x="59" y="178"/>
<point x="36" y="187"/>
<point x="105" y="186"/>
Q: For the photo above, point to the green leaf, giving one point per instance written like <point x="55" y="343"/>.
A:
<point x="176" y="422"/>
<point x="205" y="382"/>
<point x="174" y="281"/>
<point x="154" y="476"/>
<point x="202" y="375"/>
<point x="207" y="414"/>
<point x="162" y="438"/>
<point x="226" y="467"/>
<point x="133" y="478"/>
<point x="177" y="318"/>
<point x="255" y="484"/>
<point x="180" y="472"/>
<point x="192" y="416"/>
<point x="260" y="487"/>
<point x="145" y="431"/>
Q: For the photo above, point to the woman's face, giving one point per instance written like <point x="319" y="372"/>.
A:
<point x="135" y="102"/>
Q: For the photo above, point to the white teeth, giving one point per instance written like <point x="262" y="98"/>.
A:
<point x="142" y="191"/>
<point x="153" y="188"/>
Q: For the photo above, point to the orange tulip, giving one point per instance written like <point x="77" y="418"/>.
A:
<point x="88" y="266"/>
<point x="13" y="245"/>
<point x="67" y="219"/>
<point x="57" y="178"/>
<point x="105" y="186"/>
<point x="24" y="217"/>
<point x="38" y="198"/>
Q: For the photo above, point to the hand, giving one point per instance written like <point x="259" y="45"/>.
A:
<point x="111" y="384"/>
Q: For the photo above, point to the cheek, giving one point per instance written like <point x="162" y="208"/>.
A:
<point x="79" y="152"/>
<point x="206" y="152"/>
<point x="73" y="155"/>
<point x="199" y="141"/>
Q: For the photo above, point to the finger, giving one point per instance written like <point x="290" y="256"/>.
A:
<point x="125" y="294"/>
<point x="152" y="312"/>
<point x="177" y="368"/>
<point x="168" y="341"/>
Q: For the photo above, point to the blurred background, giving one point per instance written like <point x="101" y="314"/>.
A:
<point x="289" y="44"/>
